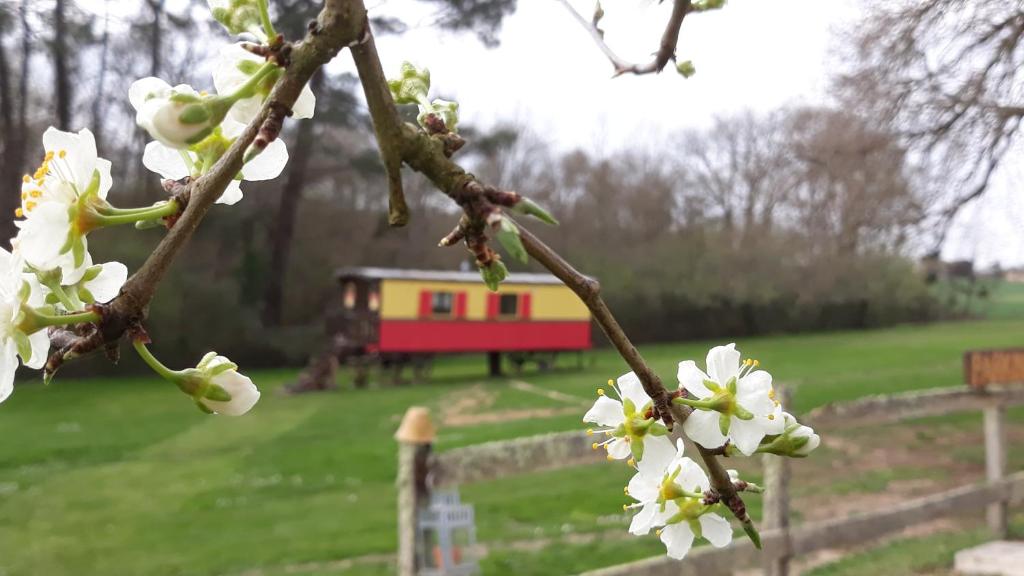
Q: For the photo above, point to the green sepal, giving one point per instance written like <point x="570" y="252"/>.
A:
<point x="493" y="274"/>
<point x="248" y="67"/>
<point x="741" y="412"/>
<point x="78" y="251"/>
<point x="24" y="345"/>
<point x="52" y="299"/>
<point x="202" y="407"/>
<point x="69" y="242"/>
<point x="205" y="360"/>
<point x="636" y="446"/>
<point x="628" y="407"/>
<point x="694" y="523"/>
<point x="91" y="273"/>
<point x="508" y="235"/>
<point x="658" y="429"/>
<point x="195" y="114"/>
<point x="731" y="385"/>
<point x="531" y="208"/>
<point x="723" y="423"/>
<point x="185" y="98"/>
<point x="200" y="136"/>
<point x="752" y="533"/>
<point x="712" y="385"/>
<point x="24" y="291"/>
<point x="216" y="393"/>
<point x="85" y="295"/>
<point x="221" y="368"/>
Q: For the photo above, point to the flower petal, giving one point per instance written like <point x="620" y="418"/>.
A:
<point x="165" y="161"/>
<point x="269" y="164"/>
<point x="619" y="449"/>
<point x="304" y="104"/>
<point x="723" y="363"/>
<point x="40" y="343"/>
<point x="106" y="286"/>
<point x="80" y="153"/>
<point x="644" y="487"/>
<point x="746" y="435"/>
<point x="702" y="427"/>
<point x="232" y="194"/>
<point x="606" y="412"/>
<point x="692" y="379"/>
<point x="678" y="538"/>
<point x="716" y="530"/>
<point x="43" y="234"/>
<point x="658" y="454"/>
<point x="142" y="89"/>
<point x="244" y="394"/>
<point x="631" y="389"/>
<point x="752" y="393"/>
<point x="643" y="520"/>
<point x="8" y="365"/>
<point x="691" y="476"/>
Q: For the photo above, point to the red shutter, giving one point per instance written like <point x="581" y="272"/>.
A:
<point x="460" y="305"/>
<point x="493" y="305"/>
<point x="426" y="303"/>
<point x="524" y="306"/>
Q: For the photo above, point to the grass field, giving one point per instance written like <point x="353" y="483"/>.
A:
<point x="110" y="477"/>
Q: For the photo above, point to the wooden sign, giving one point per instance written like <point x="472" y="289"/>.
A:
<point x="984" y="367"/>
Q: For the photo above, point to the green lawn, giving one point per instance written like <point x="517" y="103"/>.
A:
<point x="110" y="477"/>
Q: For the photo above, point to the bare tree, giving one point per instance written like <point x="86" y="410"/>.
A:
<point x="946" y="74"/>
<point x="61" y="71"/>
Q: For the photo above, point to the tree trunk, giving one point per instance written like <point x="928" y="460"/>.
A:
<point x="10" y="178"/>
<point x="97" y="103"/>
<point x="62" y="84"/>
<point x="156" y="39"/>
<point x="287" y="213"/>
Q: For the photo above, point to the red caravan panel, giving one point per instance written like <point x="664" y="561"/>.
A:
<point x="460" y="336"/>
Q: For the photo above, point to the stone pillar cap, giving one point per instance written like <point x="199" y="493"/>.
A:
<point x="416" y="427"/>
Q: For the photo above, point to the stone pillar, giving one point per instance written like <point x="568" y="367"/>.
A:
<point x="415" y="437"/>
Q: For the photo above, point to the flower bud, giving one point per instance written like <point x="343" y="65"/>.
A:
<point x="238" y="16"/>
<point x="686" y="68"/>
<point x="217" y="386"/>
<point x="177" y="117"/>
<point x="412" y="86"/>
<point x="494" y="273"/>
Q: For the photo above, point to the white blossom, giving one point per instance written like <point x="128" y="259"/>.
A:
<point x="234" y="67"/>
<point x="628" y="427"/>
<point x="14" y="342"/>
<point x="669" y="488"/>
<point x="159" y="110"/>
<point x="71" y="168"/>
<point x="221" y="372"/>
<point x="745" y="409"/>
<point x="176" y="164"/>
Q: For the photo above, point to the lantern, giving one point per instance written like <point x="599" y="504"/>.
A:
<point x="447" y="537"/>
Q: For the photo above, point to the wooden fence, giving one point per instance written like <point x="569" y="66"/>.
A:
<point x="420" y="469"/>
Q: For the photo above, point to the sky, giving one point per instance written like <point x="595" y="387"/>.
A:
<point x="755" y="55"/>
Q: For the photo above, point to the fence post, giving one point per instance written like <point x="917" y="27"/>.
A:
<point x="995" y="463"/>
<point x="776" y="500"/>
<point x="415" y="436"/>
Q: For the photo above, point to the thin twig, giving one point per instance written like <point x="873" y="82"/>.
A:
<point x="666" y="50"/>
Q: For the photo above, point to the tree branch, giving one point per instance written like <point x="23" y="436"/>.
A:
<point x="426" y="154"/>
<point x="666" y="50"/>
<point x="337" y="26"/>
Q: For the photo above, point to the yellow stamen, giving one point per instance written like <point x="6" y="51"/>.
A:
<point x="19" y="213"/>
<point x="63" y="153"/>
<point x="30" y="205"/>
<point x="631" y="462"/>
<point x="771" y="416"/>
<point x="625" y="507"/>
<point x="48" y="157"/>
<point x="26" y="178"/>
<point x="600" y="391"/>
<point x="610" y="458"/>
<point x="657" y="532"/>
<point x="35" y="193"/>
<point x="625" y="490"/>
<point x="24" y="195"/>
<point x="611" y="382"/>
<point x="757" y="363"/>
<point x="590" y="431"/>
<point x="594" y="446"/>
